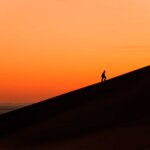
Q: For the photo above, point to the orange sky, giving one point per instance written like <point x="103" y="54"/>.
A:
<point x="49" y="47"/>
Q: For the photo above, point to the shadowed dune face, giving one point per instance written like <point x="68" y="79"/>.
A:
<point x="112" y="115"/>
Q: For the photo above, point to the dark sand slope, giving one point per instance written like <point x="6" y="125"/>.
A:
<point x="113" y="115"/>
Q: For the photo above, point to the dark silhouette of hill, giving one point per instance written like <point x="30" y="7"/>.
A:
<point x="112" y="115"/>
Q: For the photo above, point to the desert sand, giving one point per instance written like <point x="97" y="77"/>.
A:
<point x="112" y="115"/>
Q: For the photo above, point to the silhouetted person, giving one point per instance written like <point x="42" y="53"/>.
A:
<point x="103" y="76"/>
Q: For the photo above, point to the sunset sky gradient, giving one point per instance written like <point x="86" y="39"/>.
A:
<point x="49" y="47"/>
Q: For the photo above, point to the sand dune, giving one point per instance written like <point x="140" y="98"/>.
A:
<point x="113" y="115"/>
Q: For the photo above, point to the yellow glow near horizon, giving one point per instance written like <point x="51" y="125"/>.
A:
<point x="51" y="47"/>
